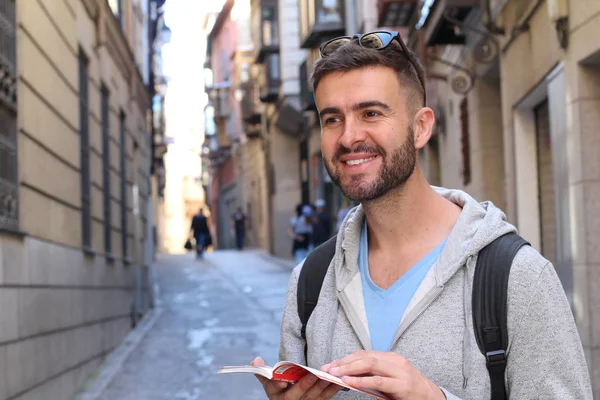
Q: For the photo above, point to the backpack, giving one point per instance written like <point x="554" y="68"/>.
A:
<point x="490" y="286"/>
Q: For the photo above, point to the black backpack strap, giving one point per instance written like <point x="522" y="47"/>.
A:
<point x="490" y="292"/>
<point x="310" y="281"/>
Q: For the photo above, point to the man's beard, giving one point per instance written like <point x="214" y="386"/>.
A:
<point x="395" y="170"/>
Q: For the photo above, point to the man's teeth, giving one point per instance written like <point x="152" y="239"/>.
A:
<point x="362" y="160"/>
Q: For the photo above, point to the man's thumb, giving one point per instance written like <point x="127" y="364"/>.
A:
<point x="258" y="362"/>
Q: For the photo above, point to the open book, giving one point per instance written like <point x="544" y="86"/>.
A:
<point x="291" y="372"/>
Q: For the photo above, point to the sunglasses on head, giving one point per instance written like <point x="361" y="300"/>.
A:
<point x="377" y="40"/>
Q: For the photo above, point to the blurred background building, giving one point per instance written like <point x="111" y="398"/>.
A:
<point x="78" y="170"/>
<point x="515" y="86"/>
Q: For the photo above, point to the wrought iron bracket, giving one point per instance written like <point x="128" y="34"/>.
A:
<point x="489" y="23"/>
<point x="485" y="51"/>
<point x="462" y="82"/>
<point x="562" y="32"/>
<point x="449" y="16"/>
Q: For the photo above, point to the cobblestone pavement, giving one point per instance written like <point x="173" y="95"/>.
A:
<point x="223" y="310"/>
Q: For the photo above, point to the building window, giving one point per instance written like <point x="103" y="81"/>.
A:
<point x="464" y="141"/>
<point x="123" y="153"/>
<point x="84" y="133"/>
<point x="270" y="32"/>
<point x="273" y="65"/>
<point x="105" y="115"/>
<point x="9" y="215"/>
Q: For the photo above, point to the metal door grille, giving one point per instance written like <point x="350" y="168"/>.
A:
<point x="123" y="154"/>
<point x="8" y="110"/>
<point x="106" y="169"/>
<point x="86" y="188"/>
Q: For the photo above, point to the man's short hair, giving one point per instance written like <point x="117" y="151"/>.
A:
<point x="352" y="56"/>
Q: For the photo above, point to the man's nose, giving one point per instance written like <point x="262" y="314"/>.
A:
<point x="353" y="133"/>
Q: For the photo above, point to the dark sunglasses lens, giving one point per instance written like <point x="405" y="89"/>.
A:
<point x="376" y="40"/>
<point x="334" y="45"/>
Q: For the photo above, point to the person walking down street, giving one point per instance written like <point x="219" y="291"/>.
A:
<point x="238" y="224"/>
<point x="300" y="231"/>
<point x="425" y="293"/>
<point x="321" y="225"/>
<point x="200" y="231"/>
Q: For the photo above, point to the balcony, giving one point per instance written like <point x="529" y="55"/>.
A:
<point x="440" y="31"/>
<point x="218" y="157"/>
<point x="220" y="100"/>
<point x="395" y="13"/>
<point x="269" y="79"/>
<point x="307" y="98"/>
<point x="253" y="131"/>
<point x="216" y="149"/>
<point x="321" y="20"/>
<point x="250" y="107"/>
<point x="265" y="28"/>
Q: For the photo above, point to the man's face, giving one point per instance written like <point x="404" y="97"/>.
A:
<point x="367" y="141"/>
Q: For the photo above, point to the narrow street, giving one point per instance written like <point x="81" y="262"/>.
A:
<point x="223" y="310"/>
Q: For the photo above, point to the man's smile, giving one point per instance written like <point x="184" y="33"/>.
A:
<point x="357" y="161"/>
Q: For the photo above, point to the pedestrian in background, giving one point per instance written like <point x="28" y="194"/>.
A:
<point x="321" y="224"/>
<point x="199" y="229"/>
<point x="300" y="231"/>
<point x="238" y="224"/>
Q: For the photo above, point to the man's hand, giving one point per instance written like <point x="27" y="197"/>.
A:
<point x="389" y="373"/>
<point x="307" y="388"/>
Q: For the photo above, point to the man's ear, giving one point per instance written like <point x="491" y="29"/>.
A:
<point x="423" y="126"/>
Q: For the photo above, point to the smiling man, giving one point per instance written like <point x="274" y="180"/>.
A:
<point x="394" y="311"/>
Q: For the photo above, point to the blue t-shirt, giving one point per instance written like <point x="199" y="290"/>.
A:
<point x="385" y="308"/>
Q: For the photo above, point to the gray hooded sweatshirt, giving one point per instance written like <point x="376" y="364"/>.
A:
<point x="545" y="357"/>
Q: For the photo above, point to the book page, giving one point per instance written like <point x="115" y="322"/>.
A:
<point x="265" y="371"/>
<point x="291" y="372"/>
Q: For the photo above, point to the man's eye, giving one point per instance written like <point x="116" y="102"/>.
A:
<point x="371" y="114"/>
<point x="332" y="120"/>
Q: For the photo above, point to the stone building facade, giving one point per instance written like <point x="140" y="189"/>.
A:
<point x="74" y="173"/>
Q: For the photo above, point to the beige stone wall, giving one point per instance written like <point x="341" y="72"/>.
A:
<point x="59" y="321"/>
<point x="252" y="173"/>
<point x="284" y="151"/>
<point x="64" y="310"/>
<point x="580" y="107"/>
<point x="485" y="136"/>
<point x="485" y="144"/>
<point x="504" y="158"/>
<point x="542" y="55"/>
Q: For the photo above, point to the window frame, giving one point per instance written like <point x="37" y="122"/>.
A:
<point x="124" y="185"/>
<point x="84" y="136"/>
<point x="106" y="201"/>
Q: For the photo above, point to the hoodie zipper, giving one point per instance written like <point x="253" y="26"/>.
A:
<point x="440" y="290"/>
